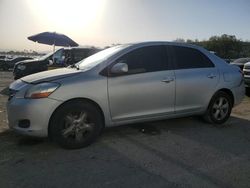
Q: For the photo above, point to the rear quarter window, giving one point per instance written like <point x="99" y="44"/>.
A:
<point x="188" y="58"/>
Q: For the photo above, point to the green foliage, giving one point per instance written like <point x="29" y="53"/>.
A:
<point x="225" y="46"/>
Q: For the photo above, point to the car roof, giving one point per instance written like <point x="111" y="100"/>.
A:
<point x="241" y="60"/>
<point x="148" y="43"/>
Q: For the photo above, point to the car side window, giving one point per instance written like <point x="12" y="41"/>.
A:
<point x="80" y="54"/>
<point x="145" y="59"/>
<point x="188" y="58"/>
<point x="57" y="56"/>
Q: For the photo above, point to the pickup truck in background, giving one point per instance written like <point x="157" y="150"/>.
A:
<point x="60" y="58"/>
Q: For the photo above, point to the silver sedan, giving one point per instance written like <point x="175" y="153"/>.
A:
<point x="121" y="85"/>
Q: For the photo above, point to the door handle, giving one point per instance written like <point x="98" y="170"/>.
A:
<point x="211" y="76"/>
<point x="167" y="80"/>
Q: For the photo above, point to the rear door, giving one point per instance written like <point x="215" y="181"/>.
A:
<point x="196" y="79"/>
<point x="148" y="89"/>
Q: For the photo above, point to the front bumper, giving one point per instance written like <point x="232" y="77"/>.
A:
<point x="37" y="111"/>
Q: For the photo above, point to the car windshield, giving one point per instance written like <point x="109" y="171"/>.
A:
<point x="99" y="57"/>
<point x="45" y="56"/>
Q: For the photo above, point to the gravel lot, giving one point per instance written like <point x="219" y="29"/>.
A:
<point x="174" y="153"/>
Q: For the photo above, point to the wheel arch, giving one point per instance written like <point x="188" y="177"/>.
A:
<point x="229" y="92"/>
<point x="225" y="90"/>
<point x="207" y="116"/>
<point x="76" y="99"/>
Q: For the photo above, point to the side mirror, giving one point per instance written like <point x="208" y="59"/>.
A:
<point x="119" y="68"/>
<point x="50" y="62"/>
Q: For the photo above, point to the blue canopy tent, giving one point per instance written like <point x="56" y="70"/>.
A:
<point x="53" y="38"/>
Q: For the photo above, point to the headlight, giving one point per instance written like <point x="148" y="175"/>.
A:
<point x="42" y="90"/>
<point x="21" y="67"/>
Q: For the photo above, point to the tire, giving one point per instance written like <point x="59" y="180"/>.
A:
<point x="76" y="124"/>
<point x="248" y="91"/>
<point x="219" y="109"/>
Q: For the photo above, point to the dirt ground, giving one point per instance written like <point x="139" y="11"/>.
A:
<point x="181" y="152"/>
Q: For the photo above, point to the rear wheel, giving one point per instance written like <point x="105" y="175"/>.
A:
<point x="219" y="109"/>
<point x="76" y="124"/>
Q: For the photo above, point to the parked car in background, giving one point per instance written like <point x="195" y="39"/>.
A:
<point x="240" y="62"/>
<point x="124" y="84"/>
<point x="60" y="58"/>
<point x="246" y="71"/>
<point x="10" y="63"/>
<point x="2" y="60"/>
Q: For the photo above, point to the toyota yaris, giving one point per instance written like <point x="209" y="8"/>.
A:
<point x="121" y="85"/>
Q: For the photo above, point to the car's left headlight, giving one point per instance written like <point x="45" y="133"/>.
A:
<point x="41" y="90"/>
<point x="21" y="67"/>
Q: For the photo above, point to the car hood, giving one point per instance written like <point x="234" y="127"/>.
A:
<point x="247" y="65"/>
<point x="50" y="75"/>
<point x="28" y="61"/>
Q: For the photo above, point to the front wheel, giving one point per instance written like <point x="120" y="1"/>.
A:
<point x="219" y="109"/>
<point x="76" y="124"/>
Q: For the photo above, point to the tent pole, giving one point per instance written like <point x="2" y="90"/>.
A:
<point x="53" y="53"/>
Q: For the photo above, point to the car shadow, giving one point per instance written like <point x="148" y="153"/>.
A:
<point x="11" y="140"/>
<point x="147" y="147"/>
<point x="233" y="137"/>
<point x="236" y="130"/>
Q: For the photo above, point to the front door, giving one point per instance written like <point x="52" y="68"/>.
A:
<point x="148" y="89"/>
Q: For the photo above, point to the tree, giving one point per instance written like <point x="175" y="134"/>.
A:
<point x="180" y="40"/>
<point x="225" y="46"/>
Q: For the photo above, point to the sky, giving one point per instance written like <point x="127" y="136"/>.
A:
<point x="105" y="22"/>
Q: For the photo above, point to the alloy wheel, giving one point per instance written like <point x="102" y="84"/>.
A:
<point x="220" y="108"/>
<point x="77" y="126"/>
